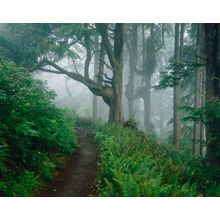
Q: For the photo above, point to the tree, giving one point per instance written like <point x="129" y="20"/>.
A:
<point x="212" y="46"/>
<point x="115" y="56"/>
<point x="178" y="53"/>
<point x="150" y="46"/>
<point x="48" y="46"/>
<point x="95" y="98"/>
<point x="132" y="48"/>
<point x="198" y="94"/>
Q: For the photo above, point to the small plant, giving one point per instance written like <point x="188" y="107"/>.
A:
<point x="133" y="164"/>
<point x="131" y="123"/>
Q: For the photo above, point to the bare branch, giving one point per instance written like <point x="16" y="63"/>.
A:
<point x="108" y="66"/>
<point x="50" y="71"/>
<point x="94" y="87"/>
<point x="41" y="64"/>
<point x="75" y="67"/>
<point x="107" y="77"/>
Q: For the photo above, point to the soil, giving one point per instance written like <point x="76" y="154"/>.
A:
<point x="77" y="178"/>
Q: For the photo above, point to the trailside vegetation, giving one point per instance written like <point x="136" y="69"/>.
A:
<point x="35" y="136"/>
<point x="133" y="164"/>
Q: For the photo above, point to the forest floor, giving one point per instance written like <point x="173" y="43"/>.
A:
<point x="77" y="178"/>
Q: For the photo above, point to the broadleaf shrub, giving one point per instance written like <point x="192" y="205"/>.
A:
<point x="34" y="133"/>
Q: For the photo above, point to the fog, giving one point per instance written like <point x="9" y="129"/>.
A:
<point x="75" y="96"/>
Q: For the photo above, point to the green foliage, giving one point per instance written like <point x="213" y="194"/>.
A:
<point x="32" y="131"/>
<point x="176" y="72"/>
<point x="131" y="123"/>
<point x="133" y="164"/>
<point x="26" y="43"/>
<point x="20" y="184"/>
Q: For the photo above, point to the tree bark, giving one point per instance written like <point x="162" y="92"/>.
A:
<point x="203" y="127"/>
<point x="147" y="80"/>
<point x="118" y="73"/>
<point x="132" y="62"/>
<point x="95" y="98"/>
<point x="212" y="44"/>
<point x="161" y="112"/>
<point x="115" y="56"/>
<point x="176" y="92"/>
<point x="147" y="105"/>
<point x="197" y="141"/>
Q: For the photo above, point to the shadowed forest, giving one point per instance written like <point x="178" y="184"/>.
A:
<point x="112" y="110"/>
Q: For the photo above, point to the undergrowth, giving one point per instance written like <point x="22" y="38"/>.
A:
<point x="35" y="136"/>
<point x="133" y="164"/>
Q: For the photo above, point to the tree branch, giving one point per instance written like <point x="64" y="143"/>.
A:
<point x="102" y="29"/>
<point x="108" y="66"/>
<point x="50" y="71"/>
<point x="39" y="65"/>
<point x="107" y="77"/>
<point x="94" y="87"/>
<point x="88" y="54"/>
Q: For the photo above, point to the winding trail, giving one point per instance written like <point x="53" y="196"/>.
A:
<point x="77" y="179"/>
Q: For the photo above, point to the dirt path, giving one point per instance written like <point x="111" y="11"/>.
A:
<point x="78" y="177"/>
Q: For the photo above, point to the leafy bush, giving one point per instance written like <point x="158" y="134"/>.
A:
<point x="133" y="164"/>
<point x="32" y="131"/>
<point x="131" y="123"/>
<point x="20" y="184"/>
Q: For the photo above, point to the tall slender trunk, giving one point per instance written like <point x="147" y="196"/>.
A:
<point x="147" y="102"/>
<point x="96" y="71"/>
<point x="133" y="63"/>
<point x="147" y="86"/>
<point x="176" y="92"/>
<point x="203" y="127"/>
<point x="197" y="142"/>
<point x="212" y="44"/>
<point x="161" y="113"/>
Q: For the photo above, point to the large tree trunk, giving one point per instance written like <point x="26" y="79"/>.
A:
<point x="197" y="142"/>
<point x="117" y="93"/>
<point x="149" y="64"/>
<point x="212" y="44"/>
<point x="133" y="63"/>
<point x="176" y="92"/>
<point x="115" y="56"/>
<point x="118" y="74"/>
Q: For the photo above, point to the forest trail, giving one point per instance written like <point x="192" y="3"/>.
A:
<point x="77" y="179"/>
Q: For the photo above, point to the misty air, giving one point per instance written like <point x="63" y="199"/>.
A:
<point x="109" y="110"/>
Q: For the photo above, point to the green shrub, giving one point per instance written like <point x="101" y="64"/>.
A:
<point x="133" y="164"/>
<point x="32" y="131"/>
<point x="23" y="184"/>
